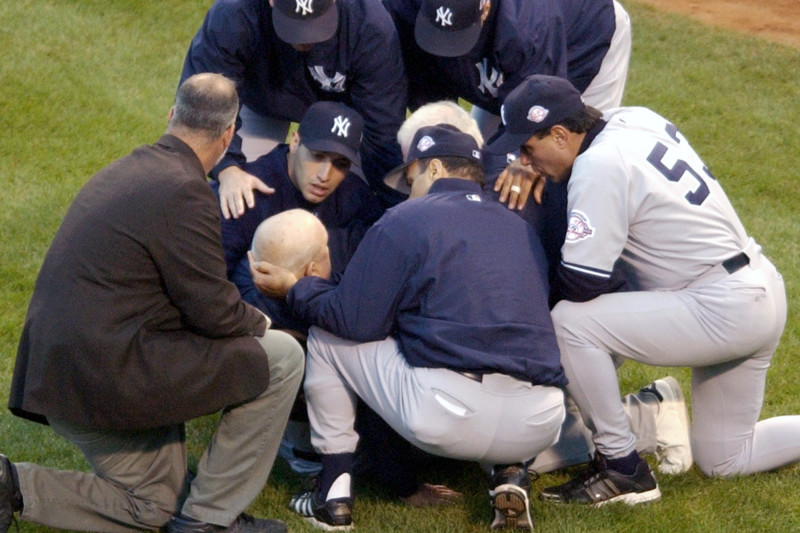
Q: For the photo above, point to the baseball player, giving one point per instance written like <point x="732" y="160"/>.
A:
<point x="311" y="172"/>
<point x="647" y="215"/>
<point x="284" y="55"/>
<point x="479" y="50"/>
<point x="455" y="373"/>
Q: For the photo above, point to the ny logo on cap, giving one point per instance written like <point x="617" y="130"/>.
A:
<point x="425" y="143"/>
<point x="341" y="125"/>
<point x="304" y="7"/>
<point x="537" y="113"/>
<point x="444" y="16"/>
<point x="334" y="84"/>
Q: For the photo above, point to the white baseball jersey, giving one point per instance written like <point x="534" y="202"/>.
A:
<point x="656" y="205"/>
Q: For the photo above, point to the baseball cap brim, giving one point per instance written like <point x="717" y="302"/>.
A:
<point x="327" y="145"/>
<point x="396" y="179"/>
<point x="298" y="31"/>
<point x="507" y="142"/>
<point x="445" y="43"/>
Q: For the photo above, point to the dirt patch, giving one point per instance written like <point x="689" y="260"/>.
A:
<point x="777" y="20"/>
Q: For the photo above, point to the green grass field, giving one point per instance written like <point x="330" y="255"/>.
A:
<point x="82" y="82"/>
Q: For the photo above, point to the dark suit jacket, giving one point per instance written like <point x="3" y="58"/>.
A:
<point x="132" y="323"/>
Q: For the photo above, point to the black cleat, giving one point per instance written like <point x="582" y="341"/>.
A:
<point x="509" y="498"/>
<point x="600" y="485"/>
<point x="331" y="515"/>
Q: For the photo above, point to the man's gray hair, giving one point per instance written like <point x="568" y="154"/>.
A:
<point x="441" y="112"/>
<point x="206" y="103"/>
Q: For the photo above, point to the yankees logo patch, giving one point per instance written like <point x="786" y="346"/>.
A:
<point x="579" y="227"/>
<point x="490" y="82"/>
<point x="333" y="85"/>
<point x="537" y="113"/>
<point x="304" y="7"/>
<point x="444" y="16"/>
<point x="425" y="143"/>
<point x="341" y="125"/>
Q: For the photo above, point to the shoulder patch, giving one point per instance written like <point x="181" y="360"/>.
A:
<point x="579" y="227"/>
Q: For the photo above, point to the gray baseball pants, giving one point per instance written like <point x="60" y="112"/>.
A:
<point x="139" y="478"/>
<point x="725" y="327"/>
<point x="497" y="420"/>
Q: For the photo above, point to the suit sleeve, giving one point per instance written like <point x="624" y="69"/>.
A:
<point x="191" y="263"/>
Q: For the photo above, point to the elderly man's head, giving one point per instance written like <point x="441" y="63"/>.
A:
<point x="295" y="240"/>
<point x="442" y="112"/>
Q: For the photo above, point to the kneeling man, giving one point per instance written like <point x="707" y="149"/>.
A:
<point x="453" y="348"/>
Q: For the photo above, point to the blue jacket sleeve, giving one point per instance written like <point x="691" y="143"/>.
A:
<point x="379" y="93"/>
<point x="224" y="43"/>
<point x="363" y="304"/>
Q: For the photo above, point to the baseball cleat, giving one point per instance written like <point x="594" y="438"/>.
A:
<point x="330" y="515"/>
<point x="673" y="440"/>
<point x="509" y="498"/>
<point x="600" y="486"/>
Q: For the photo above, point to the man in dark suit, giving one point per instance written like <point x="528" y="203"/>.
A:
<point x="133" y="329"/>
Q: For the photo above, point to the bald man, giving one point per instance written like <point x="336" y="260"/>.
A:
<point x="295" y="240"/>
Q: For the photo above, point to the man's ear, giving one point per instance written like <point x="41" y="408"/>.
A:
<point x="312" y="269"/>
<point x="294" y="141"/>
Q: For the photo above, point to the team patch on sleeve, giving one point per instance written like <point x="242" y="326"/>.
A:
<point x="579" y="227"/>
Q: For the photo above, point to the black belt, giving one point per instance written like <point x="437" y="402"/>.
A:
<point x="473" y="376"/>
<point x="736" y="262"/>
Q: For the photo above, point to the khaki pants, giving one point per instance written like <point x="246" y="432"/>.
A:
<point x="139" y="478"/>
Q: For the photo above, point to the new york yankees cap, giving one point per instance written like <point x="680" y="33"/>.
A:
<point x="448" y="28"/>
<point x="441" y="140"/>
<point x="305" y="21"/>
<point x="536" y="104"/>
<point x="332" y="127"/>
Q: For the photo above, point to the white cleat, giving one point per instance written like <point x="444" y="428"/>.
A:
<point x="673" y="439"/>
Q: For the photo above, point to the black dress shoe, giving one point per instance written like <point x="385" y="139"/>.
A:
<point x="243" y="524"/>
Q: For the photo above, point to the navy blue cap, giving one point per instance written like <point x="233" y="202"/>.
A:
<point x="332" y="127"/>
<point x="441" y="140"/>
<point x="536" y="104"/>
<point x="305" y="21"/>
<point x="448" y="28"/>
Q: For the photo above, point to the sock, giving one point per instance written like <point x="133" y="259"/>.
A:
<point x="336" y="469"/>
<point x="625" y="465"/>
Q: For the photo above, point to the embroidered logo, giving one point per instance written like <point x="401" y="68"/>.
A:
<point x="444" y="16"/>
<point x="304" y="7"/>
<point x="476" y="154"/>
<point x="489" y="82"/>
<point x="425" y="143"/>
<point x="474" y="198"/>
<point x="341" y="125"/>
<point x="579" y="227"/>
<point x="334" y="84"/>
<point x="537" y="113"/>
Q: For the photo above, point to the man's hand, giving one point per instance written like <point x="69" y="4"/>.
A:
<point x="236" y="188"/>
<point x="433" y="495"/>
<point x="515" y="184"/>
<point x="269" y="279"/>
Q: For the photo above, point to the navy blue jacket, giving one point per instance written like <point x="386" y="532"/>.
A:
<point x="347" y="214"/>
<point x="360" y="66"/>
<point x="565" y="38"/>
<point x="457" y="278"/>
